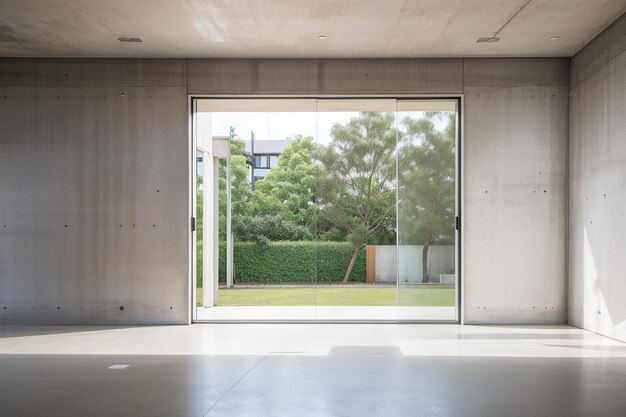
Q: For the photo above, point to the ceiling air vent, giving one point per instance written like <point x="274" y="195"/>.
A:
<point x="488" y="40"/>
<point x="127" y="39"/>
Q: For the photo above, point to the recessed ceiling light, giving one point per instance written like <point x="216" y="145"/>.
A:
<point x="129" y="39"/>
<point x="322" y="37"/>
<point x="488" y="40"/>
<point x="554" y="38"/>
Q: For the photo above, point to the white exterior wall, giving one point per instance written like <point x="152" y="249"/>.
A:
<point x="440" y="261"/>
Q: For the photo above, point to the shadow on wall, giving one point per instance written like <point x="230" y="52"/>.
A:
<point x="603" y="304"/>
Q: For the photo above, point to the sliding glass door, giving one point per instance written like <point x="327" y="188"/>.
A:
<point x="265" y="248"/>
<point x="356" y="199"/>
<point x="427" y="209"/>
<point x="326" y="209"/>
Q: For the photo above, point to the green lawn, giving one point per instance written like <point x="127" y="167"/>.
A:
<point x="333" y="296"/>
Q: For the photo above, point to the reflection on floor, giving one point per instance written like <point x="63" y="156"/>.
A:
<point x="310" y="370"/>
<point x="325" y="313"/>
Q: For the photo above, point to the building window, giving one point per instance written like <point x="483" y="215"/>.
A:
<point x="261" y="161"/>
<point x="265" y="160"/>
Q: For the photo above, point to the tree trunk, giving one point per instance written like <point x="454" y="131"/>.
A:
<point x="425" y="272"/>
<point x="357" y="248"/>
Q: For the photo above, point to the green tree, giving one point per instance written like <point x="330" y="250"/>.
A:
<point x="242" y="195"/>
<point x="356" y="187"/>
<point x="426" y="194"/>
<point x="199" y="215"/>
<point x="289" y="187"/>
<point x="269" y="227"/>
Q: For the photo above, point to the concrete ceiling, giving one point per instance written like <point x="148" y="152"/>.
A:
<point x="290" y="28"/>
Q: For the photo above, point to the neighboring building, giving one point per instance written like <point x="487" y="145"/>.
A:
<point x="265" y="156"/>
<point x="200" y="157"/>
<point x="199" y="163"/>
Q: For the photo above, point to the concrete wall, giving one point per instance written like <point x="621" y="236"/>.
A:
<point x="93" y="186"/>
<point x="597" y="243"/>
<point x="94" y="163"/>
<point x="516" y="115"/>
<point x="326" y="76"/>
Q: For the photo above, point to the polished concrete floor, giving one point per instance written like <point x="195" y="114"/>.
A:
<point x="310" y="370"/>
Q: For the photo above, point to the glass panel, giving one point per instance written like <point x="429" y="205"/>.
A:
<point x="261" y="161"/>
<point x="268" y="106"/>
<point x="348" y="213"/>
<point x="426" y="210"/>
<point x="273" y="215"/>
<point x="198" y="237"/>
<point x="356" y="207"/>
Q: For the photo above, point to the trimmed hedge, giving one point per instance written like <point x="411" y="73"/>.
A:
<point x="284" y="262"/>
<point x="268" y="228"/>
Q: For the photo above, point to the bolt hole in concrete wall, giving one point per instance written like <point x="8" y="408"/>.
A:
<point x="100" y="157"/>
<point x="516" y="128"/>
<point x="597" y="286"/>
<point x="80" y="160"/>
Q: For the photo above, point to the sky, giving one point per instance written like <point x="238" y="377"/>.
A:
<point x="282" y="125"/>
<point x="279" y="125"/>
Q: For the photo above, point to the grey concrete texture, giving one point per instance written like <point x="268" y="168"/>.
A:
<point x="94" y="220"/>
<point x="356" y="370"/>
<point x="94" y="163"/>
<point x="39" y="72"/>
<point x="599" y="52"/>
<point x="597" y="210"/>
<point x="515" y="164"/>
<point x="350" y="381"/>
<point x="325" y="76"/>
<point x="516" y="72"/>
<point x="290" y="29"/>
